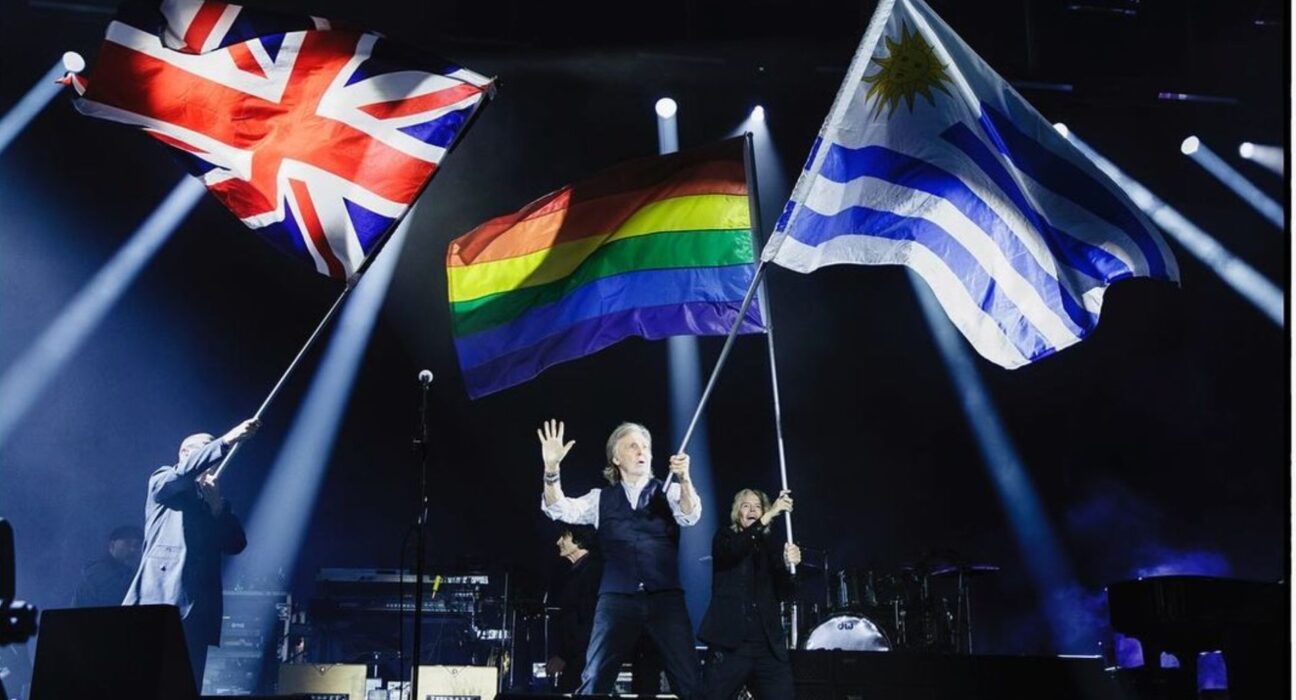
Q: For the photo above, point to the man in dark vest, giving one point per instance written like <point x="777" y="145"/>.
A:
<point x="638" y="528"/>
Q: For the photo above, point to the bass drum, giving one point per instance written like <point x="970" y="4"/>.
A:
<point x="848" y="633"/>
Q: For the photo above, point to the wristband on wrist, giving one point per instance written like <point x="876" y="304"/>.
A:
<point x="552" y="478"/>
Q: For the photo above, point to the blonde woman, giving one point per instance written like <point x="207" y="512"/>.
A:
<point x="749" y="576"/>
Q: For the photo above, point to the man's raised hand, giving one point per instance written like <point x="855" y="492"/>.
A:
<point x="241" y="432"/>
<point x="552" y="449"/>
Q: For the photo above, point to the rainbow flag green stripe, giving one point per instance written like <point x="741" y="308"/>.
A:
<point x="659" y="251"/>
<point x="653" y="248"/>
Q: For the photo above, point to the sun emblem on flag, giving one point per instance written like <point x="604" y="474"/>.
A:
<point x="911" y="68"/>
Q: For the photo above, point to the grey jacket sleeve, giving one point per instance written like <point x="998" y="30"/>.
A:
<point x="169" y="482"/>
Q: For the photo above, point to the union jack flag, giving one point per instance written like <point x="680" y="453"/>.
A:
<point x="318" y="135"/>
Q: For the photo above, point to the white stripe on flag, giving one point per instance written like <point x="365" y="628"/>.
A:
<point x="1083" y="224"/>
<point x="827" y="197"/>
<point x="978" y="327"/>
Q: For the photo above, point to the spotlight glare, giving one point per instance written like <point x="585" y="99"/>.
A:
<point x="1267" y="206"/>
<point x="39" y="365"/>
<point x="1244" y="279"/>
<point x="666" y="108"/>
<point x="73" y="62"/>
<point x="1246" y="150"/>
<point x="1061" y="128"/>
<point x="25" y="110"/>
<point x="758" y="113"/>
<point x="1190" y="145"/>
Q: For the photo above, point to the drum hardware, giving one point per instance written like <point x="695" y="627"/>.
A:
<point x="962" y="617"/>
<point x="912" y="606"/>
<point x="848" y="633"/>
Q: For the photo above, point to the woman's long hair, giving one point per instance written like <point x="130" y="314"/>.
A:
<point x="734" y="515"/>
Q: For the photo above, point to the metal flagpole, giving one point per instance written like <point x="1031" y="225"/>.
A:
<point x="724" y="355"/>
<point x="353" y="280"/>
<point x="753" y="199"/>
<point x="757" y="230"/>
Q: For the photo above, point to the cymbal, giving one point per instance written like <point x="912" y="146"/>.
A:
<point x="967" y="570"/>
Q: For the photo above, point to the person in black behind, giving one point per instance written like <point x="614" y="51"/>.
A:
<point x="575" y="600"/>
<point x="742" y="626"/>
<point x="104" y="581"/>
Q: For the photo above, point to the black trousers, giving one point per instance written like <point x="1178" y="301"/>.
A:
<point x="619" y="620"/>
<point x="753" y="664"/>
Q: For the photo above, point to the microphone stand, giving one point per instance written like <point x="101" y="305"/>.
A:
<point x="420" y="562"/>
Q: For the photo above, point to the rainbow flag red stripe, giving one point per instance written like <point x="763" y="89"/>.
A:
<point x="652" y="248"/>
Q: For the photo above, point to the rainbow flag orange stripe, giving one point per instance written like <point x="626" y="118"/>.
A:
<point x="652" y="248"/>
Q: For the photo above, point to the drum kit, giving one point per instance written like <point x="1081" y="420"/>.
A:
<point x="923" y="606"/>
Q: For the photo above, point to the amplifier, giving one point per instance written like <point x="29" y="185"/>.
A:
<point x="458" y="682"/>
<point x="345" y="681"/>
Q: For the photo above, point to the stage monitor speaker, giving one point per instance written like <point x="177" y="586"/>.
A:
<point x="437" y="682"/>
<point x="135" y="652"/>
<point x="328" y="679"/>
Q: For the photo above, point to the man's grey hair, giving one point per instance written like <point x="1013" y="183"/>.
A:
<point x="611" y="472"/>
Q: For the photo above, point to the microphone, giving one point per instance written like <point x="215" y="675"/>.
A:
<point x="425" y="377"/>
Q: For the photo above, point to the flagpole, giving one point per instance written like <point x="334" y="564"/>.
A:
<point x="753" y="198"/>
<point x="724" y="355"/>
<point x="354" y="280"/>
<point x="757" y="229"/>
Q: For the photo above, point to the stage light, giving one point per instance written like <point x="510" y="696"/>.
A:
<point x="666" y="108"/>
<point x="1041" y="550"/>
<point x="277" y="526"/>
<point x="772" y="185"/>
<point x="1062" y="129"/>
<point x="667" y="129"/>
<point x="31" y="104"/>
<point x="1242" y="278"/>
<point x="1271" y="210"/>
<point x="24" y="380"/>
<point x="684" y="368"/>
<point x="1268" y="157"/>
<point x="1189" y="145"/>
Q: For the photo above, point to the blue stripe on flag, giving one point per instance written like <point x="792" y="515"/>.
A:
<point x="843" y="165"/>
<point x="272" y="43"/>
<point x="782" y="222"/>
<point x="369" y="226"/>
<point x="1065" y="178"/>
<point x="1090" y="260"/>
<point x="441" y="131"/>
<point x="253" y="24"/>
<point x="814" y="228"/>
<point x="629" y="290"/>
<point x="288" y="237"/>
<point x="394" y="57"/>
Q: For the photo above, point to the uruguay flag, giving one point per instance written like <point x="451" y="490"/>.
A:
<point x="929" y="159"/>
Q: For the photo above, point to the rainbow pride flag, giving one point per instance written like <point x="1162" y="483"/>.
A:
<point x="653" y="247"/>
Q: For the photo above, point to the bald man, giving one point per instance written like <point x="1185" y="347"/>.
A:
<point x="188" y="525"/>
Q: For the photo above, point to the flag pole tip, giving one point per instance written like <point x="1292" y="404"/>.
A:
<point x="73" y="62"/>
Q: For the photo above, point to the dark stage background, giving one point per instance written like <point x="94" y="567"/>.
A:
<point x="1161" y="443"/>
